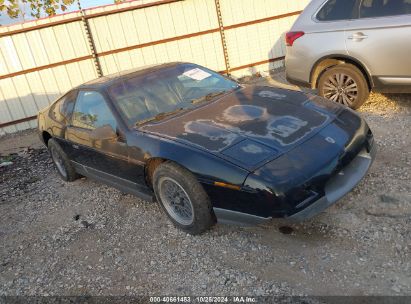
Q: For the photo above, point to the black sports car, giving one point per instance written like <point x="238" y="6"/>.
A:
<point x="206" y="147"/>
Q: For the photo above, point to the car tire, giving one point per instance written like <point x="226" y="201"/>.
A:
<point x="60" y="159"/>
<point x="182" y="198"/>
<point x="344" y="84"/>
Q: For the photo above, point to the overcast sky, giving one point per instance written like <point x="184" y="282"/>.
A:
<point x="5" y="20"/>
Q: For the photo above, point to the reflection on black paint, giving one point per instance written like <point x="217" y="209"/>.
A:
<point x="268" y="116"/>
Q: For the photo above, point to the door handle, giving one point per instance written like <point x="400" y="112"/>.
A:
<point x="357" y="36"/>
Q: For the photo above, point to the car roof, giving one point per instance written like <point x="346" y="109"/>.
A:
<point x="107" y="80"/>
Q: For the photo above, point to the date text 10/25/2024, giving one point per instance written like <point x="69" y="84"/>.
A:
<point x="202" y="299"/>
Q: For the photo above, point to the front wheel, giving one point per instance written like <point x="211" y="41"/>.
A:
<point x="183" y="198"/>
<point x="344" y="84"/>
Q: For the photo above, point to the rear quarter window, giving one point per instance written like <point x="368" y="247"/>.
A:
<point x="335" y="10"/>
<point x="55" y="111"/>
<point x="62" y="109"/>
<point x="384" y="8"/>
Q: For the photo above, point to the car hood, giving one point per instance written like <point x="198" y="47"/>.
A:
<point x="250" y="125"/>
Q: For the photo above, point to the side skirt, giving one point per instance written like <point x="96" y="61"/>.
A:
<point x="391" y="84"/>
<point x="114" y="181"/>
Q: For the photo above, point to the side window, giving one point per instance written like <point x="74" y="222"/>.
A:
<point x="91" y="111"/>
<point x="382" y="8"/>
<point x="335" y="10"/>
<point x="62" y="109"/>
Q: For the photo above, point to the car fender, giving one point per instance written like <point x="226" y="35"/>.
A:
<point x="330" y="60"/>
<point x="204" y="165"/>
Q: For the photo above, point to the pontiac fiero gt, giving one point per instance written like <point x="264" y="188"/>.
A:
<point x="207" y="148"/>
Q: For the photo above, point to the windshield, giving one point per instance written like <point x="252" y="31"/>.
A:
<point x="164" y="92"/>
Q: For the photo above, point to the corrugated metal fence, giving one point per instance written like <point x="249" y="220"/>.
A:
<point x="40" y="60"/>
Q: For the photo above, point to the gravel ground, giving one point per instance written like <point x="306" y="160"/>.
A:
<point x="84" y="238"/>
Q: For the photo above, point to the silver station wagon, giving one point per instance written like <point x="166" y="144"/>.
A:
<point x="346" y="48"/>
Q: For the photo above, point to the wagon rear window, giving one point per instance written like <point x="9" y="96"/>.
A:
<point x="335" y="10"/>
<point x="381" y="8"/>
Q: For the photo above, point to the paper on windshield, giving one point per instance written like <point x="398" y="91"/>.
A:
<point x="197" y="74"/>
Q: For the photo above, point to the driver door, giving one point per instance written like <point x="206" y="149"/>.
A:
<point x="107" y="157"/>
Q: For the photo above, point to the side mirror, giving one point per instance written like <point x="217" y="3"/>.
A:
<point x="105" y="132"/>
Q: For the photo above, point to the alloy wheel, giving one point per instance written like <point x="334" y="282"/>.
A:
<point x="176" y="201"/>
<point x="341" y="88"/>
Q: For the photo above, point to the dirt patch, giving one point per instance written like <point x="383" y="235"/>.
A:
<point x="18" y="142"/>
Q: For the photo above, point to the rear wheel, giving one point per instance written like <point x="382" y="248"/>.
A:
<point x="182" y="198"/>
<point x="344" y="84"/>
<point x="61" y="161"/>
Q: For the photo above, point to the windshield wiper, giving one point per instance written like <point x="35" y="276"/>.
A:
<point x="159" y="116"/>
<point x="207" y="97"/>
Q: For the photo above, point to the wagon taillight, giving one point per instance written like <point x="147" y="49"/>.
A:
<point x="291" y="37"/>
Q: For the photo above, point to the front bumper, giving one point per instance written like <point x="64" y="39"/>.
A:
<point x="340" y="184"/>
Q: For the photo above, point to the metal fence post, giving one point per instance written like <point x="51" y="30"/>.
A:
<point x="223" y="40"/>
<point x="90" y="41"/>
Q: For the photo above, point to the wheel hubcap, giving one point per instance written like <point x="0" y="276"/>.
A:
<point x="58" y="161"/>
<point x="341" y="88"/>
<point x="176" y="201"/>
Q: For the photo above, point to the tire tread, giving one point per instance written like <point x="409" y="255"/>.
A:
<point x="71" y="172"/>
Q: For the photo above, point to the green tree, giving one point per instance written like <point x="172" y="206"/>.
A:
<point x="38" y="8"/>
